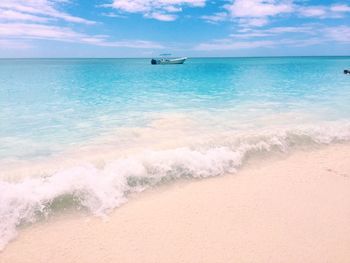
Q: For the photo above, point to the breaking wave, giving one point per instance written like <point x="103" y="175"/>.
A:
<point x="100" y="190"/>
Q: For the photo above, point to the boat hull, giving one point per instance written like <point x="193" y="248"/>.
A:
<point x="168" y="61"/>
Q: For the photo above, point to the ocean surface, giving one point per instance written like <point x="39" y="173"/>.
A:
<point x="85" y="133"/>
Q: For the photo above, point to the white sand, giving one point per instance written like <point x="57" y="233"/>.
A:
<point x="295" y="209"/>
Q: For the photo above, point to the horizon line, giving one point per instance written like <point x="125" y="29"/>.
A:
<point x="194" y="57"/>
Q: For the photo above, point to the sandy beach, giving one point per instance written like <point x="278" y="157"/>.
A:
<point x="291" y="209"/>
<point x="174" y="131"/>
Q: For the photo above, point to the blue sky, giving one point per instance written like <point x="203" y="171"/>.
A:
<point x="145" y="28"/>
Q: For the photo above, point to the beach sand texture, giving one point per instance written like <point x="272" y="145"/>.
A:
<point x="294" y="209"/>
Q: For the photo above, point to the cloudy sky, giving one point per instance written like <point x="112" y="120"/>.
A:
<point x="144" y="28"/>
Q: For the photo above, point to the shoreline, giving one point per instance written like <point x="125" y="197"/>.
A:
<point x="279" y="210"/>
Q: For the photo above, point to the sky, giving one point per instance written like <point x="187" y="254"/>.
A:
<point x="194" y="28"/>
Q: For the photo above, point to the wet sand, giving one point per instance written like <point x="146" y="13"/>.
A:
<point x="292" y="209"/>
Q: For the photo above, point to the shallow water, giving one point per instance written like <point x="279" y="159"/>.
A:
<point x="94" y="130"/>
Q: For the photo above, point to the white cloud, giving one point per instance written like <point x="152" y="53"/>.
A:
<point x="229" y="44"/>
<point x="253" y="22"/>
<point x="36" y="11"/>
<point x="140" y="44"/>
<point x="171" y="8"/>
<point x="340" y="8"/>
<point x="259" y="8"/>
<point x="10" y="15"/>
<point x="157" y="9"/>
<point x="15" y="31"/>
<point x="258" y="13"/>
<point x="333" y="11"/>
<point x="313" y="11"/>
<point x="274" y="31"/>
<point x="13" y="44"/>
<point x="218" y="17"/>
<point x="251" y="13"/>
<point x="250" y="39"/>
<point x="110" y="14"/>
<point x="22" y="20"/>
<point x="161" y="17"/>
<point x="39" y="31"/>
<point x="338" y="33"/>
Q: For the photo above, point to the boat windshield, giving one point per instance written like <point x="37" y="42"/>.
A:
<point x="165" y="56"/>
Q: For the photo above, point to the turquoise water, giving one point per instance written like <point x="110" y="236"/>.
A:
<point x="97" y="129"/>
<point x="47" y="105"/>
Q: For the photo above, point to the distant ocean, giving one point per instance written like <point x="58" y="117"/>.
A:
<point x="85" y="133"/>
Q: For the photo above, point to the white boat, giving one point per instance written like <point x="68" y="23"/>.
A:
<point x="168" y="61"/>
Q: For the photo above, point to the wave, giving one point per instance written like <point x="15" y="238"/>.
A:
<point x="100" y="190"/>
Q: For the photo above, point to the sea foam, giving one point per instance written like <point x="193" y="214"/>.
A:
<point x="101" y="189"/>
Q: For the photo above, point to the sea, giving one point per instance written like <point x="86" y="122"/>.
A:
<point x="84" y="134"/>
